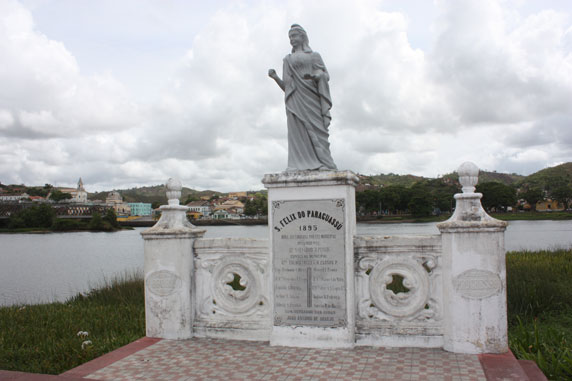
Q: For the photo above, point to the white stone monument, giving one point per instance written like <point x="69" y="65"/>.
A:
<point x="169" y="270"/>
<point x="474" y="274"/>
<point x="312" y="223"/>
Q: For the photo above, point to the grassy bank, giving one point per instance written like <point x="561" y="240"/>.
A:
<point x="44" y="338"/>
<point x="533" y="216"/>
<point x="539" y="287"/>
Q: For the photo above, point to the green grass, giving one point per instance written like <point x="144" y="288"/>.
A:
<point x="43" y="338"/>
<point x="539" y="288"/>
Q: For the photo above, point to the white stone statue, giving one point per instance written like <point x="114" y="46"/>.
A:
<point x="308" y="104"/>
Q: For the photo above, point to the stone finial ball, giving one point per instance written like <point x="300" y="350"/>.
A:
<point x="468" y="176"/>
<point x="174" y="185"/>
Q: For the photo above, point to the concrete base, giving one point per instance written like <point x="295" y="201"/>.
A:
<point x="312" y="337"/>
<point x="400" y="341"/>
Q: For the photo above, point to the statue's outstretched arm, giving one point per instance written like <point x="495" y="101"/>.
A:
<point x="272" y="74"/>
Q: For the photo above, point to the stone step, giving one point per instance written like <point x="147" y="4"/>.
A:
<point x="532" y="370"/>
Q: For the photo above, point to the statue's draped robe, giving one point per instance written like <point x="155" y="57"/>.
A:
<point x="308" y="105"/>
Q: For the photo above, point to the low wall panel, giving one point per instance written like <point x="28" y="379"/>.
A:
<point x="399" y="290"/>
<point x="232" y="288"/>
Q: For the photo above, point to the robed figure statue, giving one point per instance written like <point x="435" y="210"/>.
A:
<point x="308" y="104"/>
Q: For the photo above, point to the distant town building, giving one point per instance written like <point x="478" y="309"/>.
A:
<point x="232" y="209"/>
<point x="115" y="200"/>
<point x="227" y="214"/>
<point x="202" y="208"/>
<point x="231" y="204"/>
<point x="140" y="208"/>
<point x="14" y="197"/>
<point x="79" y="194"/>
<point x="236" y="194"/>
<point x="549" y="206"/>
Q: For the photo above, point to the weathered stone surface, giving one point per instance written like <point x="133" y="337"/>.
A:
<point x="411" y="318"/>
<point x="474" y="274"/>
<point x="223" y="311"/>
<point x="309" y="263"/>
<point x="309" y="178"/>
<point x="169" y="270"/>
<point x="329" y="198"/>
<point x="316" y="284"/>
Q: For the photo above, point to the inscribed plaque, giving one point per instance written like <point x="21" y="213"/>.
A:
<point x="163" y="282"/>
<point x="309" y="263"/>
<point x="477" y="284"/>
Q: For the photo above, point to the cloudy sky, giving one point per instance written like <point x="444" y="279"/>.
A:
<point x="131" y="92"/>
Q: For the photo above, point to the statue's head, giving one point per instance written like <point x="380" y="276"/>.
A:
<point x="297" y="30"/>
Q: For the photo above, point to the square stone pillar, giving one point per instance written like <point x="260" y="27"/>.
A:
<point x="474" y="274"/>
<point x="169" y="271"/>
<point x="312" y="221"/>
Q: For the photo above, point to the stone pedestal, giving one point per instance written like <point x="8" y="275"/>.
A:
<point x="474" y="274"/>
<point x="312" y="222"/>
<point x="169" y="269"/>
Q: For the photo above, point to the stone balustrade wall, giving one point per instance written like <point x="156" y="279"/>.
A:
<point x="446" y="290"/>
<point x="232" y="295"/>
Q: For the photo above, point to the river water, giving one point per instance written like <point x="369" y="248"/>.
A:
<point x="36" y="268"/>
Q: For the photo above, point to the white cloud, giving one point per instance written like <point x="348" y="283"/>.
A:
<point x="43" y="88"/>
<point x="497" y="75"/>
<point x="494" y="87"/>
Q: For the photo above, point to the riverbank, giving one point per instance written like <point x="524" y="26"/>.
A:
<point x="51" y="338"/>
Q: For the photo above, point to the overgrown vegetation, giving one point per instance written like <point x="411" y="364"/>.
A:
<point x="38" y="216"/>
<point x="46" y="338"/>
<point x="539" y="286"/>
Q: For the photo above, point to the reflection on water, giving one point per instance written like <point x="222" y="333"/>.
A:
<point x="43" y="267"/>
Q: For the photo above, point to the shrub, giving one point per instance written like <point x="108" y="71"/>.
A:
<point x="37" y="216"/>
<point x="68" y="225"/>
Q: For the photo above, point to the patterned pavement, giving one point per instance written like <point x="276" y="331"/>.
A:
<point x="212" y="359"/>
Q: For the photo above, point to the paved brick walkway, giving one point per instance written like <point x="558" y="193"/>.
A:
<point x="209" y="359"/>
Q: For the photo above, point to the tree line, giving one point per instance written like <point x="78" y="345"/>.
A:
<point x="423" y="198"/>
<point x="43" y="216"/>
<point x="436" y="196"/>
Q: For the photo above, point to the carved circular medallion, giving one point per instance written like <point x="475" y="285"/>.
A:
<point x="236" y="288"/>
<point x="477" y="284"/>
<point x="415" y="280"/>
<point x="163" y="282"/>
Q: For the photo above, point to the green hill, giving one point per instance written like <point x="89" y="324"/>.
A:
<point x="390" y="179"/>
<point x="150" y="194"/>
<point x="486" y="176"/>
<point x="548" y="178"/>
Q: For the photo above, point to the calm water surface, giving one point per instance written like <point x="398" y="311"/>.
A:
<point x="38" y="268"/>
